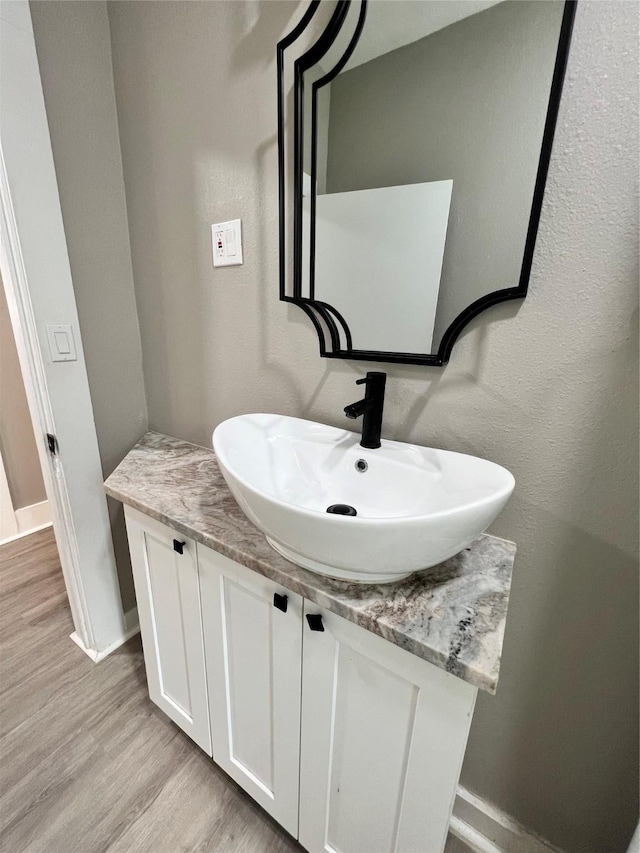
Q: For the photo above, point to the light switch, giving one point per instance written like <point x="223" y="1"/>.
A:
<point x="61" y="344"/>
<point x="227" y="243"/>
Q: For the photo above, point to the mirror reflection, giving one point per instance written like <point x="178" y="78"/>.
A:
<point x="420" y="160"/>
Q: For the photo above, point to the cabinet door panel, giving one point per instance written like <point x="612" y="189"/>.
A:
<point x="383" y="737"/>
<point x="163" y="577"/>
<point x="168" y="596"/>
<point x="253" y="653"/>
<point x="247" y="630"/>
<point x="372" y="706"/>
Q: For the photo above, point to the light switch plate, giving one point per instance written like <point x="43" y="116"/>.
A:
<point x="61" y="344"/>
<point x="226" y="239"/>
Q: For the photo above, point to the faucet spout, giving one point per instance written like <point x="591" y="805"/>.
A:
<point x="354" y="410"/>
<point x="370" y="408"/>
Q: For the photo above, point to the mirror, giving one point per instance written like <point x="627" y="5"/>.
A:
<point x="422" y="137"/>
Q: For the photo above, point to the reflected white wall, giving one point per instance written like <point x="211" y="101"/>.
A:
<point x="378" y="261"/>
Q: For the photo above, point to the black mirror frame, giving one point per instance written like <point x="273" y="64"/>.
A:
<point x="327" y="321"/>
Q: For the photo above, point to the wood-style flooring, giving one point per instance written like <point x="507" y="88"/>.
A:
<point x="87" y="763"/>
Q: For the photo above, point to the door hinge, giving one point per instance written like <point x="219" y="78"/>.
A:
<point x="52" y="442"/>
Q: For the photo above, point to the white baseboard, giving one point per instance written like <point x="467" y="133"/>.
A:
<point x="486" y="829"/>
<point x="132" y="627"/>
<point x="27" y="520"/>
<point x="34" y="517"/>
<point x="22" y="535"/>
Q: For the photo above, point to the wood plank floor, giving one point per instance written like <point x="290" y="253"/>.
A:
<point x="87" y="762"/>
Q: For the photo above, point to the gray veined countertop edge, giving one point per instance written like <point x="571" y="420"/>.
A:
<point x="452" y="615"/>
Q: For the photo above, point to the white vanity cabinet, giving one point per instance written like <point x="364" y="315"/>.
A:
<point x="351" y="743"/>
<point x="253" y="645"/>
<point x="165" y="573"/>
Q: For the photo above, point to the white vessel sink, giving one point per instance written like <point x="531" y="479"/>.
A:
<point x="415" y="506"/>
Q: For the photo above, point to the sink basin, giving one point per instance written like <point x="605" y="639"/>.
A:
<point x="415" y="506"/>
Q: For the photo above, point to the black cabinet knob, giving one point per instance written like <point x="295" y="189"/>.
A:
<point x="280" y="601"/>
<point x="178" y="546"/>
<point x="315" y="621"/>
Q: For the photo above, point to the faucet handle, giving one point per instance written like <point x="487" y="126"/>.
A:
<point x="375" y="376"/>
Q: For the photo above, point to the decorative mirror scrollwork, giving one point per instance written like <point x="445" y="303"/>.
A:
<point x="414" y="139"/>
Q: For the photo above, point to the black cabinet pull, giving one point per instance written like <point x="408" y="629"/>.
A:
<point x="178" y="546"/>
<point x="280" y="601"/>
<point x="315" y="621"/>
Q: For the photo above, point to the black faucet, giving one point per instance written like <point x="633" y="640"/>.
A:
<point x="370" y="407"/>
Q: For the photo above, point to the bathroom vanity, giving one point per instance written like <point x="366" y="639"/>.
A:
<point x="343" y="709"/>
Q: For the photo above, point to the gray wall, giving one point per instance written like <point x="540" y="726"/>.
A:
<point x="431" y="110"/>
<point x="73" y="45"/>
<point x="547" y="388"/>
<point x="17" y="442"/>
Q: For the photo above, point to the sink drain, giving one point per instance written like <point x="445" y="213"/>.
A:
<point x="341" y="509"/>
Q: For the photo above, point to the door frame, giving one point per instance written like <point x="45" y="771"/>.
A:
<point x="23" y="322"/>
<point x="37" y="279"/>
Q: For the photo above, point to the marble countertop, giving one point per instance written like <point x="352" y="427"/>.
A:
<point x="452" y="615"/>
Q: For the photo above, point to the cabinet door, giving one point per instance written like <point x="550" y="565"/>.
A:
<point x="168" y="597"/>
<point x="253" y="653"/>
<point x="383" y="737"/>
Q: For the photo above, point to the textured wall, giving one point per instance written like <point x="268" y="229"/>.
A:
<point x="487" y="71"/>
<point x="547" y="388"/>
<point x="72" y="41"/>
<point x="17" y="442"/>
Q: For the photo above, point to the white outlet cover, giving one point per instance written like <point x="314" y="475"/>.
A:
<point x="226" y="243"/>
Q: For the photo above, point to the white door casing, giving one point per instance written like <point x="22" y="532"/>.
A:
<point x="37" y="279"/>
<point x="383" y="738"/>
<point x="168" y="594"/>
<point x="253" y="654"/>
